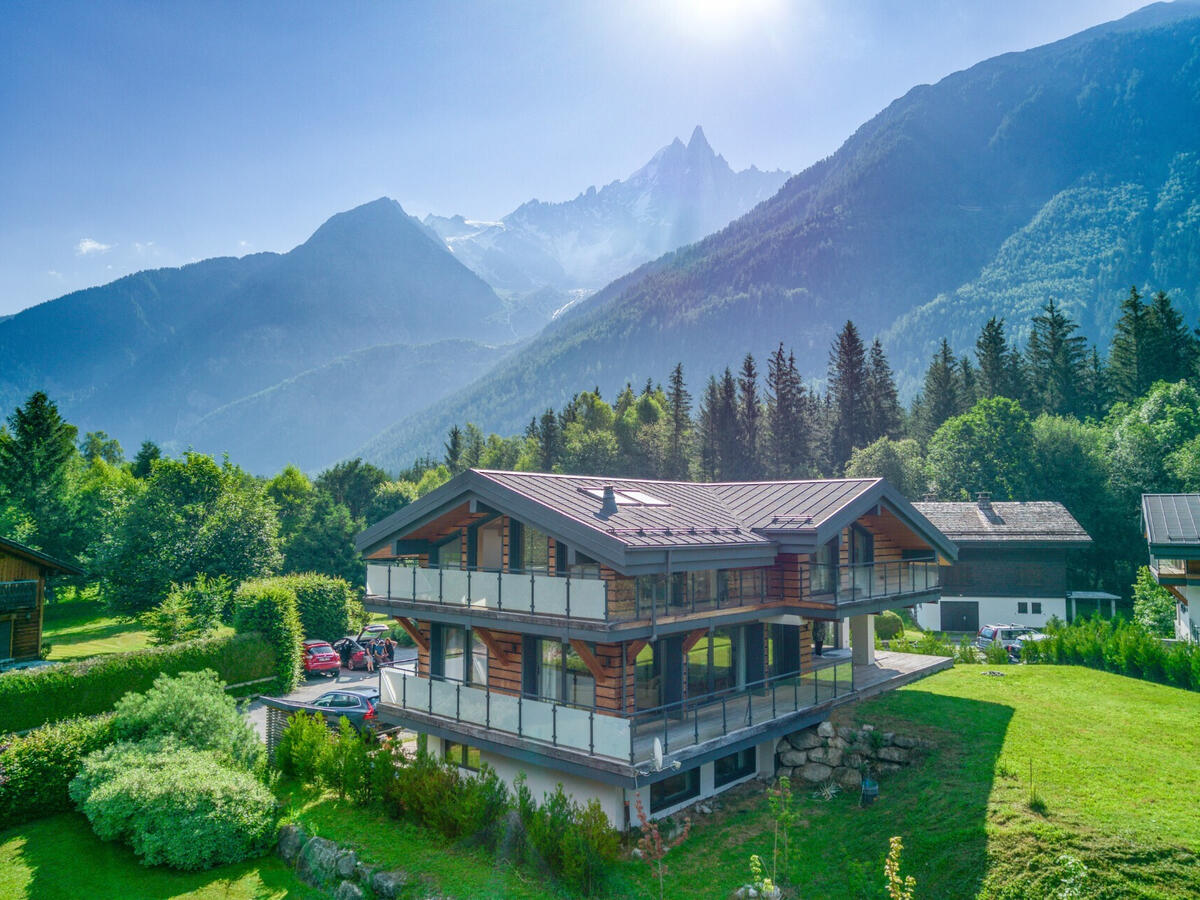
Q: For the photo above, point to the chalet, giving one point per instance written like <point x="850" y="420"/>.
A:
<point x="1011" y="568"/>
<point x="640" y="638"/>
<point x="23" y="574"/>
<point x="1171" y="524"/>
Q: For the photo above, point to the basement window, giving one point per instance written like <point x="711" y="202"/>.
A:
<point x="734" y="766"/>
<point x="462" y="755"/>
<point x="674" y="790"/>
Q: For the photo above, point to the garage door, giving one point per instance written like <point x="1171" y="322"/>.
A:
<point x="960" y="615"/>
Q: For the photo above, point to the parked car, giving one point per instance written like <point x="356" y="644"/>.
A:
<point x="355" y="703"/>
<point x="351" y="653"/>
<point x="1010" y="637"/>
<point x="320" y="657"/>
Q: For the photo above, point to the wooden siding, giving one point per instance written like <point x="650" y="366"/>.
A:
<point x="26" y="624"/>
<point x="1000" y="572"/>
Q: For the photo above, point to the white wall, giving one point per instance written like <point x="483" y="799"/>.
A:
<point x="1187" y="618"/>
<point x="997" y="611"/>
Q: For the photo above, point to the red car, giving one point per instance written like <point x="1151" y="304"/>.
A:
<point x="320" y="657"/>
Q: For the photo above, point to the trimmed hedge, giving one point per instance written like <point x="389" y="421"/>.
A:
<point x="329" y="607"/>
<point x="36" y="768"/>
<point x="33" y="697"/>
<point x="269" y="609"/>
<point x="1117" y="645"/>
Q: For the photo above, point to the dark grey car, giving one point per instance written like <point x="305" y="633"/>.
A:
<point x="357" y="704"/>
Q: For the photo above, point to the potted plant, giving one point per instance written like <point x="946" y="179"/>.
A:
<point x="870" y="787"/>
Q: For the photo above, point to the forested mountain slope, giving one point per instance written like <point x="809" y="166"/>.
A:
<point x="152" y="354"/>
<point x="1062" y="167"/>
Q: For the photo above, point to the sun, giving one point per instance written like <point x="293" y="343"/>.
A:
<point x="721" y="20"/>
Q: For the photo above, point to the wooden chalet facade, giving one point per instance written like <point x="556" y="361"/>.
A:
<point x="23" y="574"/>
<point x="621" y="635"/>
<point x="1171" y="525"/>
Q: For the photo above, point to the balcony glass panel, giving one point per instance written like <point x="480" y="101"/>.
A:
<point x="537" y="720"/>
<point x="506" y="713"/>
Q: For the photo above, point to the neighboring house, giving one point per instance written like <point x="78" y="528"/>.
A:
<point x="23" y="574"/>
<point x="640" y="638"/>
<point x="1011" y="568"/>
<point x="1171" y="523"/>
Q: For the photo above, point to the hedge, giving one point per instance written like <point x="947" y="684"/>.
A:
<point x="1119" y="646"/>
<point x="269" y="609"/>
<point x="33" y="697"/>
<point x="36" y="768"/>
<point x="329" y="607"/>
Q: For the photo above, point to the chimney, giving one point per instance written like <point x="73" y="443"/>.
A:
<point x="609" y="506"/>
<point x="984" y="500"/>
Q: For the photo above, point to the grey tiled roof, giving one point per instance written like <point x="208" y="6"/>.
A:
<point x="1038" y="521"/>
<point x="1172" y="519"/>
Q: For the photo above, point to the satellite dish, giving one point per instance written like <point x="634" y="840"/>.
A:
<point x="658" y="759"/>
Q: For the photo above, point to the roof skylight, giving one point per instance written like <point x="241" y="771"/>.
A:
<point x="627" y="497"/>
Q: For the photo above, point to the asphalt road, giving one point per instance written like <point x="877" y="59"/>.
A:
<point x="314" y="686"/>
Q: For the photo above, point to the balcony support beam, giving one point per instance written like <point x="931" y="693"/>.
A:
<point x="589" y="659"/>
<point x="413" y="632"/>
<point x="634" y="648"/>
<point x="693" y="638"/>
<point x="494" y="648"/>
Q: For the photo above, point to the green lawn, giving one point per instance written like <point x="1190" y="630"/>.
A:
<point x="85" y="628"/>
<point x="59" y="858"/>
<point x="1116" y="764"/>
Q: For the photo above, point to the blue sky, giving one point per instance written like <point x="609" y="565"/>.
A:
<point x="139" y="135"/>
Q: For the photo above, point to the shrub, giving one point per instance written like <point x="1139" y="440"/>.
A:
<point x="966" y="652"/>
<point x="174" y="805"/>
<point x="270" y="610"/>
<point x="194" y="708"/>
<point x="343" y="763"/>
<point x="995" y="653"/>
<point x="1120" y="646"/>
<point x="329" y="607"/>
<point x="33" y="697"/>
<point x="36" y="768"/>
<point x="302" y="746"/>
<point x="1153" y="605"/>
<point x="888" y="625"/>
<point x="189" y="611"/>
<point x="932" y="644"/>
<point x="573" y="842"/>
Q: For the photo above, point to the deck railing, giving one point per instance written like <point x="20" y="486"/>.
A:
<point x="870" y="581"/>
<point x="572" y="596"/>
<point x="626" y="738"/>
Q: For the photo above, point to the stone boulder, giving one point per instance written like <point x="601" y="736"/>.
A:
<point x="805" y="740"/>
<point x="845" y="733"/>
<point x="892" y="754"/>
<point x="783" y="746"/>
<point x="390" y="884"/>
<point x="887" y="768"/>
<point x="347" y="860"/>
<point x="793" y="757"/>
<point x="317" y="864"/>
<point x="815" y="773"/>
<point x="853" y="760"/>
<point x="850" y="779"/>
<point x="830" y="756"/>
<point x="348" y="890"/>
<point x="291" y="842"/>
<point x="825" y="729"/>
<point x="363" y="873"/>
<point x="903" y="740"/>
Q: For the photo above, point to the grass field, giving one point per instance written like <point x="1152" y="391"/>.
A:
<point x="85" y="628"/>
<point x="1116" y="766"/>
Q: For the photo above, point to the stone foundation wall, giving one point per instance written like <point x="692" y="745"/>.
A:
<point x="822" y="752"/>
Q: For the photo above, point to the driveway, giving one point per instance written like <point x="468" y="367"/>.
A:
<point x="313" y="687"/>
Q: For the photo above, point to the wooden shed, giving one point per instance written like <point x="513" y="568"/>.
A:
<point x="23" y="574"/>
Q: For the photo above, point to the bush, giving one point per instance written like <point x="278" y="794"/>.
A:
<point x="343" y="763"/>
<point x="302" y="745"/>
<point x="1119" y="646"/>
<point x="174" y="805"/>
<point x="932" y="644"/>
<point x="194" y="709"/>
<point x="36" y="768"/>
<point x="1153" y="605"/>
<point x="888" y="625"/>
<point x="995" y="653"/>
<point x="33" y="697"/>
<point x="329" y="607"/>
<point x="189" y="611"/>
<point x="573" y="842"/>
<point x="270" y="609"/>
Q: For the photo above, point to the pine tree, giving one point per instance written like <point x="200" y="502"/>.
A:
<point x="781" y="407"/>
<point x="999" y="364"/>
<point x="940" y="398"/>
<point x="968" y="385"/>
<point x="710" y="457"/>
<point x="1130" y="360"/>
<point x="848" y="391"/>
<point x="143" y="462"/>
<point x="454" y="449"/>
<point x="883" y="402"/>
<point x="679" y="402"/>
<point x="1056" y="360"/>
<point x="550" y="441"/>
<point x="801" y="425"/>
<point x="749" y="420"/>
<point x="728" y="450"/>
<point x="1173" y="346"/>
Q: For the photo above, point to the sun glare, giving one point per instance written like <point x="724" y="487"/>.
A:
<point x="721" y="20"/>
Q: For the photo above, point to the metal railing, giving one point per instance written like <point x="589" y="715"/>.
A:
<point x="572" y="596"/>
<point x="610" y="734"/>
<point x="18" y="595"/>
<point x="869" y="581"/>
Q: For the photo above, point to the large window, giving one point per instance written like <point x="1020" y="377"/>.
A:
<point x="449" y="554"/>
<point x="449" y="655"/>
<point x="783" y="649"/>
<point x="462" y="755"/>
<point x="734" y="766"/>
<point x="647" y="678"/>
<point x="674" y="790"/>
<point x="713" y="662"/>
<point x="535" y="550"/>
<point x="560" y="673"/>
<point x="823" y="579"/>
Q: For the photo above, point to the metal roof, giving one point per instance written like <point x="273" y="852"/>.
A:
<point x="1172" y="523"/>
<point x="747" y="518"/>
<point x="1044" y="522"/>
<point x="37" y="556"/>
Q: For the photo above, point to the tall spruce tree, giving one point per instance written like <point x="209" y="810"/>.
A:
<point x="708" y="426"/>
<point x="550" y="441"/>
<point x="940" y="396"/>
<point x="883" y="401"/>
<point x="36" y="452"/>
<point x="999" y="363"/>
<point x="848" y="392"/>
<point x="729" y="452"/>
<point x="1131" y="364"/>
<point x="749" y="419"/>
<point x="454" y="450"/>
<point x="1056" y="359"/>
<point x="1173" y="346"/>
<point x="680" y="408"/>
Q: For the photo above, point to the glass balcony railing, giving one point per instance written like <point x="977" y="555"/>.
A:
<point x="676" y="726"/>
<point x="572" y="596"/>
<point x="872" y="581"/>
